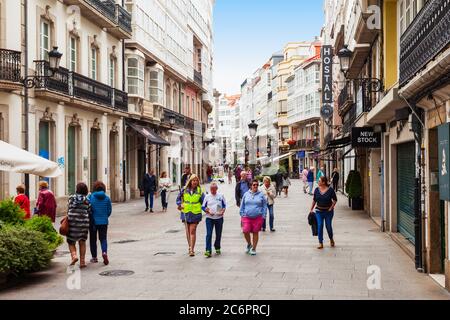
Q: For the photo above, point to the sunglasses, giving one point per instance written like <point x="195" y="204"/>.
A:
<point x="255" y="185"/>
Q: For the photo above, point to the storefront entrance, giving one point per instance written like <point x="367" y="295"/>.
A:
<point x="405" y="189"/>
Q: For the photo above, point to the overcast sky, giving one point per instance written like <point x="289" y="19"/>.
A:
<point x="247" y="32"/>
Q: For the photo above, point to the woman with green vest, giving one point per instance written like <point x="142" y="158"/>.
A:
<point x="190" y="202"/>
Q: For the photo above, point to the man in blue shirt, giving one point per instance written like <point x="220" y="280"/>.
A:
<point x="241" y="188"/>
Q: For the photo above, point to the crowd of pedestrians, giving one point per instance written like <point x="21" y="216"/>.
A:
<point x="89" y="212"/>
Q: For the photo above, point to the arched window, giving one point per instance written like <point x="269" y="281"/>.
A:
<point x="168" y="99"/>
<point x="175" y="99"/>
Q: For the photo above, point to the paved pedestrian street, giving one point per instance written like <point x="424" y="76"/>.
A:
<point x="288" y="265"/>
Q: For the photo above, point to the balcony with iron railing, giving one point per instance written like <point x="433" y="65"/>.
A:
<point x="10" y="70"/>
<point x="198" y="78"/>
<point x="78" y="88"/>
<point x="306" y="144"/>
<point x="426" y="37"/>
<point x="182" y="121"/>
<point x="345" y="99"/>
<point x="106" y="14"/>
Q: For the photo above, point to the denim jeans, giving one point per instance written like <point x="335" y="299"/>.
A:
<point x="102" y="232"/>
<point x="271" y="218"/>
<point x="328" y="218"/>
<point x="164" y="199"/>
<point x="148" y="195"/>
<point x="210" y="225"/>
<point x="311" y="187"/>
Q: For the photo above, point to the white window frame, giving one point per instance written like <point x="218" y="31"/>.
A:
<point x="112" y="71"/>
<point x="45" y="36"/>
<point x="138" y="76"/>
<point x="73" y="54"/>
<point x="156" y="86"/>
<point x="94" y="63"/>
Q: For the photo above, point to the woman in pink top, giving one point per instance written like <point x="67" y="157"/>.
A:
<point x="46" y="202"/>
<point x="305" y="180"/>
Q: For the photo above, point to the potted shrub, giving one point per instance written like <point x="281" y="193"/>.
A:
<point x="22" y="251"/>
<point x="45" y="225"/>
<point x="347" y="186"/>
<point x="355" y="191"/>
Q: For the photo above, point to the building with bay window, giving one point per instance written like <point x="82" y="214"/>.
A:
<point x="76" y="117"/>
<point x="168" y="64"/>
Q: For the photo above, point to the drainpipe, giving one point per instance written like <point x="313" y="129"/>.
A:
<point x="26" y="105"/>
<point x="418" y="135"/>
<point x="124" y="132"/>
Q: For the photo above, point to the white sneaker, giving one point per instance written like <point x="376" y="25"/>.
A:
<point x="252" y="252"/>
<point x="249" y="248"/>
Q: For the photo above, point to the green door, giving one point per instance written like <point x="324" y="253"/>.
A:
<point x="71" y="160"/>
<point x="94" y="156"/>
<point x="406" y="172"/>
<point x="44" y="141"/>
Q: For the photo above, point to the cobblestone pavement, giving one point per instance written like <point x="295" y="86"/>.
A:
<point x="288" y="265"/>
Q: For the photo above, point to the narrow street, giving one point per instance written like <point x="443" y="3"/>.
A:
<point x="288" y="265"/>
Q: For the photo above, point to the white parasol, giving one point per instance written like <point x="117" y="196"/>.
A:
<point x="14" y="159"/>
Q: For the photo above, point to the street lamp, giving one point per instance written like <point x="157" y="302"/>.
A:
<point x="172" y="120"/>
<point x="253" y="128"/>
<point x="345" y="54"/>
<point x="54" y="60"/>
<point x="369" y="84"/>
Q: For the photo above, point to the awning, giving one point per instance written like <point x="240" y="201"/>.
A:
<point x="284" y="156"/>
<point x="149" y="134"/>
<point x="14" y="159"/>
<point x="339" y="143"/>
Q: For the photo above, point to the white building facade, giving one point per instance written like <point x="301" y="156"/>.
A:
<point x="75" y="118"/>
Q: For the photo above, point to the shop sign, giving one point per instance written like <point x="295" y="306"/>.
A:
<point x="301" y="155"/>
<point x="444" y="162"/>
<point x="327" y="75"/>
<point x="365" y="138"/>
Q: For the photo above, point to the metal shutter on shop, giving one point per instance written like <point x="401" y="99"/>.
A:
<point x="405" y="189"/>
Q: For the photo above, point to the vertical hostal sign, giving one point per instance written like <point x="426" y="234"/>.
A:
<point x="327" y="81"/>
<point x="444" y="162"/>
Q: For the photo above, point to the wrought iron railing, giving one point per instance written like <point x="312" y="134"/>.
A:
<point x="306" y="144"/>
<point x="424" y="39"/>
<point x="105" y="7"/>
<point x="198" y="78"/>
<point x="59" y="82"/>
<point x="121" y="100"/>
<point x="88" y="89"/>
<point x="345" y="97"/>
<point x="78" y="86"/>
<point x="10" y="65"/>
<point x="349" y="120"/>
<point x="168" y="114"/>
<point x="123" y="18"/>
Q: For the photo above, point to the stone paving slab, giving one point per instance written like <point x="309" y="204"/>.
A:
<point x="288" y="265"/>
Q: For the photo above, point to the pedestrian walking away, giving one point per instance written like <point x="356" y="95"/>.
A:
<point x="320" y="174"/>
<point x="253" y="212"/>
<point x="324" y="201"/>
<point x="279" y="182"/>
<point x="190" y="202"/>
<point x="310" y="179"/>
<point x="270" y="193"/>
<point x="286" y="184"/>
<point x="214" y="206"/>
<point x="165" y="186"/>
<point x="46" y="202"/>
<point x="23" y="201"/>
<point x="101" y="210"/>
<point x="241" y="188"/>
<point x="237" y="173"/>
<point x="150" y="187"/>
<point x="78" y="218"/>
<point x="335" y="179"/>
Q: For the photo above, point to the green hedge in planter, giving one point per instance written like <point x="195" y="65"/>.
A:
<point x="45" y="225"/>
<point x="11" y="213"/>
<point x="348" y="181"/>
<point x="23" y="250"/>
<point x="355" y="186"/>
